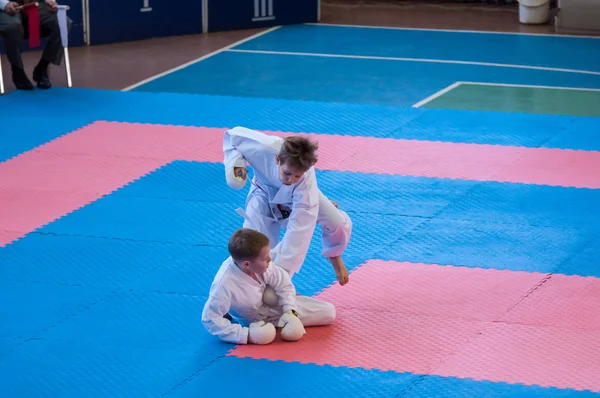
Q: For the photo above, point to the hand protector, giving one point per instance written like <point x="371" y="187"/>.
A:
<point x="292" y="327"/>
<point x="270" y="297"/>
<point x="261" y="333"/>
<point x="234" y="182"/>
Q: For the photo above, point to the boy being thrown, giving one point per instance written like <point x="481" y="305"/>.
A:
<point x="238" y="289"/>
<point x="284" y="193"/>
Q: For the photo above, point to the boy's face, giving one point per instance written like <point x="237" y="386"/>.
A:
<point x="260" y="264"/>
<point x="289" y="175"/>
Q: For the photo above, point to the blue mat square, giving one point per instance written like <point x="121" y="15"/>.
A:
<point x="389" y="194"/>
<point x="243" y="374"/>
<point x="151" y="219"/>
<point x="138" y="319"/>
<point x="31" y="308"/>
<point x="186" y="180"/>
<point x="67" y="369"/>
<point x="189" y="273"/>
<point x="77" y="260"/>
<point x="583" y="133"/>
<point x="496" y="128"/>
<point x="529" y="204"/>
<point x="450" y="387"/>
<point x="585" y="262"/>
<point x="488" y="245"/>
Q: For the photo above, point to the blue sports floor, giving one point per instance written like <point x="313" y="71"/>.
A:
<point x="106" y="301"/>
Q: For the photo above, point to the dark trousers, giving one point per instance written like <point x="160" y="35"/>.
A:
<point x="13" y="27"/>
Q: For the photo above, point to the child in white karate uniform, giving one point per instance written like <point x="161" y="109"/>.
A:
<point x="237" y="290"/>
<point x="284" y="193"/>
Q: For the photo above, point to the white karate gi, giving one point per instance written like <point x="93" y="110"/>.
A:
<point x="271" y="205"/>
<point x="234" y="292"/>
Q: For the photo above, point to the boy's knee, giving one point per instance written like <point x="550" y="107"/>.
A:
<point x="330" y="313"/>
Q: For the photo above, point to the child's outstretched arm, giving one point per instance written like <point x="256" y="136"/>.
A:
<point x="241" y="146"/>
<point x="234" y="162"/>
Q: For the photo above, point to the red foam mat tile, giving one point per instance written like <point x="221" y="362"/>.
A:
<point x="433" y="290"/>
<point x="372" y="340"/>
<point x="137" y="140"/>
<point x="448" y="321"/>
<point x="565" y="302"/>
<point x="531" y="355"/>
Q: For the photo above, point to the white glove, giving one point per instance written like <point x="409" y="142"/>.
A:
<point x="234" y="182"/>
<point x="270" y="297"/>
<point x="292" y="327"/>
<point x="261" y="333"/>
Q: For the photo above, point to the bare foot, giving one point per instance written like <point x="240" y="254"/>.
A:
<point x="341" y="272"/>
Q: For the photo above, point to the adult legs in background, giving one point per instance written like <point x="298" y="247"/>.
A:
<point x="12" y="29"/>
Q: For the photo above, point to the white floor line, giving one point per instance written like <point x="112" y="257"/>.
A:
<point x="200" y="59"/>
<point x="484" y="32"/>
<point x="435" y="95"/>
<point x="439" y="61"/>
<point x="531" y="86"/>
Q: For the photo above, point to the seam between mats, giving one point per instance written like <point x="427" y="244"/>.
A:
<point x="581" y="249"/>
<point x="411" y="386"/>
<point x="194" y="375"/>
<point x="409" y="231"/>
<point x="552" y="136"/>
<point x="110" y="293"/>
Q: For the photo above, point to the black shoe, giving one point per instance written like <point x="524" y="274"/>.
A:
<point x="20" y="80"/>
<point x="40" y="75"/>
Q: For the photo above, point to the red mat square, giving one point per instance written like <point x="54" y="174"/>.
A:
<point x="446" y="320"/>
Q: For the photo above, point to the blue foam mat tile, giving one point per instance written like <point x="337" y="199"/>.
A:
<point x="191" y="272"/>
<point x="343" y="118"/>
<point x="486" y="245"/>
<point x="567" y="52"/>
<point x="585" y="262"/>
<point x="496" y="128"/>
<point x="187" y="180"/>
<point x="583" y="133"/>
<point x="272" y="114"/>
<point x="48" y="368"/>
<point x="390" y="194"/>
<point x="85" y="103"/>
<point x="150" y="219"/>
<point x="8" y="344"/>
<point x="196" y="109"/>
<point x="139" y="319"/>
<point x="450" y="387"/>
<point x="528" y="204"/>
<point x="30" y="308"/>
<point x="291" y="380"/>
<point x="76" y="260"/>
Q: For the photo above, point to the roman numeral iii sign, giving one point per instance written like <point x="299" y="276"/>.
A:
<point x="146" y="7"/>
<point x="263" y="10"/>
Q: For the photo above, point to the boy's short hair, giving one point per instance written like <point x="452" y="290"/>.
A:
<point x="299" y="152"/>
<point x="246" y="244"/>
